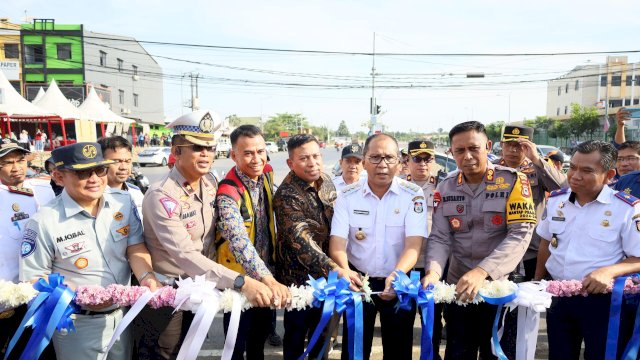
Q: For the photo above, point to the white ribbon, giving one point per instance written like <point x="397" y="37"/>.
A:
<point x="531" y="301"/>
<point x="128" y="318"/>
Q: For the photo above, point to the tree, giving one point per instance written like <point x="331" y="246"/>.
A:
<point x="583" y="120"/>
<point x="543" y="123"/>
<point x="284" y="122"/>
<point x="559" y="129"/>
<point x="234" y="120"/>
<point x="343" y="130"/>
<point x="494" y="130"/>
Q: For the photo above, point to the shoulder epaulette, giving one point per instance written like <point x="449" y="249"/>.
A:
<point x="351" y="188"/>
<point x="558" y="192"/>
<point x="505" y="168"/>
<point x="629" y="199"/>
<point x="409" y="186"/>
<point x="20" y="190"/>
<point x="132" y="186"/>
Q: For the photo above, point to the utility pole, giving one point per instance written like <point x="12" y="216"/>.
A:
<point x="195" y="100"/>
<point x="374" y="107"/>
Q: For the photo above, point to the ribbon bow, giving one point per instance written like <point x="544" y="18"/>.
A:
<point x="408" y="289"/>
<point x="51" y="310"/>
<point x="334" y="292"/>
<point x="500" y="302"/>
<point x="531" y="301"/>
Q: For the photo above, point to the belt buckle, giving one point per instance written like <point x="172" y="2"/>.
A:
<point x="7" y="314"/>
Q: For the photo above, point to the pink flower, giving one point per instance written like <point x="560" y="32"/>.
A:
<point x="91" y="295"/>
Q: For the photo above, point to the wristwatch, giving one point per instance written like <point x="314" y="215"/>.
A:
<point x="238" y="283"/>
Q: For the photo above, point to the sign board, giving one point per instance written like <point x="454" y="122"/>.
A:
<point x="11" y="69"/>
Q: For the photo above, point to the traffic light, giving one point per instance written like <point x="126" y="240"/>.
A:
<point x="377" y="110"/>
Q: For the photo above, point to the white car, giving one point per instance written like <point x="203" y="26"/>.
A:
<point x="271" y="147"/>
<point x="154" y="156"/>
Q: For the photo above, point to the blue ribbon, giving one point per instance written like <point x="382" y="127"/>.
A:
<point x="51" y="310"/>
<point x="614" y="318"/>
<point x="409" y="289"/>
<point x="335" y="294"/>
<point x="495" y="339"/>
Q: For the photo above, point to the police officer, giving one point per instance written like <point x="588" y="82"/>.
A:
<point x="351" y="166"/>
<point x="590" y="233"/>
<point x="378" y="227"/>
<point x="179" y="224"/>
<point x="482" y="225"/>
<point x="91" y="237"/>
<point x="19" y="200"/>
<point x="520" y="153"/>
<point x="119" y="149"/>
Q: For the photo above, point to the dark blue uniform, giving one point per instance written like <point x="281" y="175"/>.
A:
<point x="629" y="183"/>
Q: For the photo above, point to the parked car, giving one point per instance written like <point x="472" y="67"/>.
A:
<point x="543" y="150"/>
<point x="271" y="147"/>
<point x="154" y="156"/>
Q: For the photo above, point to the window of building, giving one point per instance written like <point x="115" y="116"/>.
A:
<point x="34" y="54"/>
<point x="16" y="86"/>
<point x="637" y="82"/>
<point x="135" y="69"/>
<point x="616" y="80"/>
<point x="64" y="51"/>
<point x="627" y="102"/>
<point x="135" y="100"/>
<point x="628" y="80"/>
<point x="103" y="58"/>
<point x="636" y="101"/>
<point x="615" y="103"/>
<point x="120" y="64"/>
<point x="566" y="110"/>
<point x="557" y="111"/>
<point x="559" y="90"/>
<point x="11" y="51"/>
<point x="577" y="87"/>
<point x="121" y="97"/>
<point x="566" y="89"/>
<point x="603" y="80"/>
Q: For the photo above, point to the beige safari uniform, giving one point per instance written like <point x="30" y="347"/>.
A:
<point x="178" y="224"/>
<point x="429" y="189"/>
<point x="489" y="228"/>
<point x="542" y="180"/>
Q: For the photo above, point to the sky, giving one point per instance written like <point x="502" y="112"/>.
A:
<point x="418" y="93"/>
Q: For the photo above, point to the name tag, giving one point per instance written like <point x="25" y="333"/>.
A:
<point x="361" y="212"/>
<point x="557" y="218"/>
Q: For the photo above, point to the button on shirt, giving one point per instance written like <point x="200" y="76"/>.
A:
<point x="385" y="223"/>
<point x="600" y="233"/>
<point x="62" y="237"/>
<point x="16" y="210"/>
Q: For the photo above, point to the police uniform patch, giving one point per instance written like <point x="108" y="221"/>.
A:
<point x="28" y="245"/>
<point x="15" y="207"/>
<point x="75" y="247"/>
<point x="185" y="206"/>
<point x="460" y="208"/>
<point x="118" y="216"/>
<point x="418" y="207"/>
<point x="437" y="199"/>
<point x="124" y="230"/>
<point x="490" y="174"/>
<point x="497" y="220"/>
<point x="526" y="188"/>
<point x="190" y="225"/>
<point x="169" y="205"/>
<point x="81" y="263"/>
<point x="455" y="223"/>
<point x="418" y="198"/>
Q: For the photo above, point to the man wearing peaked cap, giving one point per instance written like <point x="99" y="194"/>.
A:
<point x="351" y="166"/>
<point x="91" y="236"/>
<point x="20" y="198"/>
<point x="556" y="157"/>
<point x="179" y="219"/>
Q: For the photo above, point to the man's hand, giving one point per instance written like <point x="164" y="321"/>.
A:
<point x="431" y="277"/>
<point x="352" y="276"/>
<point x="281" y="294"/>
<point x="151" y="282"/>
<point x="622" y="115"/>
<point x="598" y="281"/>
<point x="470" y="283"/>
<point x="388" y="293"/>
<point x="530" y="150"/>
<point x="256" y="292"/>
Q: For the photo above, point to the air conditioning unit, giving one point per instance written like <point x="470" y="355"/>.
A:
<point x="136" y="77"/>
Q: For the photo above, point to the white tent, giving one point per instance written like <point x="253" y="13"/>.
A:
<point x="13" y="104"/>
<point x="94" y="109"/>
<point x="39" y="96"/>
<point x="54" y="101"/>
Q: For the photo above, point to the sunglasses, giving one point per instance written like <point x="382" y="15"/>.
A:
<point x="85" y="174"/>
<point x="199" y="148"/>
<point x="419" y="159"/>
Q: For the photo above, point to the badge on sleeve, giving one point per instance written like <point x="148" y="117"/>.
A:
<point x="417" y="207"/>
<point x="638" y="225"/>
<point x="169" y="205"/>
<point x="123" y="230"/>
<point x="28" y="243"/>
<point x="437" y="199"/>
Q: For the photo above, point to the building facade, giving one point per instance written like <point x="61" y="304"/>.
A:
<point x="10" y="54"/>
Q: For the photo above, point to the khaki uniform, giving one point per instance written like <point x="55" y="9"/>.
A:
<point x="178" y="224"/>
<point x="490" y="227"/>
<point x="429" y="189"/>
<point x="542" y="180"/>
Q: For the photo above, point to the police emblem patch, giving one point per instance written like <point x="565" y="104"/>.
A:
<point x="81" y="263"/>
<point x="417" y="207"/>
<point x="89" y="151"/>
<point x="169" y="205"/>
<point x="28" y="245"/>
<point x="497" y="220"/>
<point x="460" y="208"/>
<point x="206" y="123"/>
<point x="437" y="199"/>
<point x="118" y="216"/>
<point x="124" y="230"/>
<point x="455" y="223"/>
<point x="75" y="247"/>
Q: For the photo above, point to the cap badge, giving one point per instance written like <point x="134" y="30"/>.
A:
<point x="354" y="148"/>
<point x="423" y="145"/>
<point x="206" y="123"/>
<point x="89" y="151"/>
<point x="515" y="131"/>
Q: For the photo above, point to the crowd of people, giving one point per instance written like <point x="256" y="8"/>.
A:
<point x="517" y="217"/>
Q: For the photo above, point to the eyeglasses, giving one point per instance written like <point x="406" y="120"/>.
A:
<point x="85" y="174"/>
<point x="376" y="159"/>
<point x="199" y="148"/>
<point x="419" y="159"/>
<point x="629" y="159"/>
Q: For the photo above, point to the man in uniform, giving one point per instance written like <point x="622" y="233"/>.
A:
<point x="179" y="223"/>
<point x="556" y="158"/>
<point x="482" y="225"/>
<point x="590" y="233"/>
<point x="404" y="164"/>
<point x="19" y="200"/>
<point x="377" y="228"/>
<point x="246" y="236"/>
<point x="119" y="149"/>
<point x="351" y="166"/>
<point x="303" y="206"/>
<point x="91" y="237"/>
<point x="520" y="153"/>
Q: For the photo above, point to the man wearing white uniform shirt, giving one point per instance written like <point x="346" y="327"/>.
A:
<point x="351" y="166"/>
<point x="377" y="228"/>
<point x="19" y="200"/>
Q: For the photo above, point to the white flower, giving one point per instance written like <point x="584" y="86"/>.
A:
<point x="13" y="295"/>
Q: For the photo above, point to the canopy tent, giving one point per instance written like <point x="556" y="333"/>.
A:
<point x="55" y="102"/>
<point x="94" y="109"/>
<point x="13" y="107"/>
<point x="39" y="96"/>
